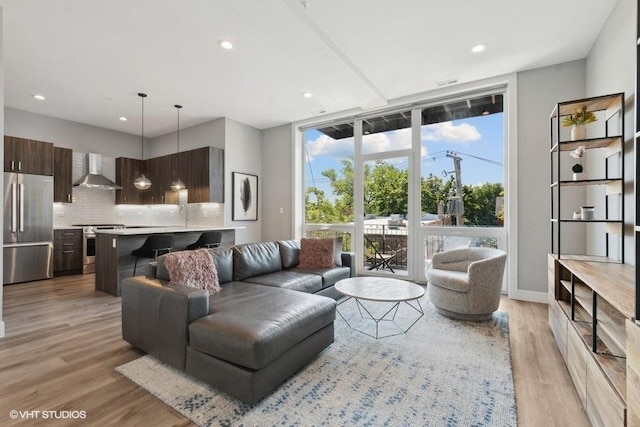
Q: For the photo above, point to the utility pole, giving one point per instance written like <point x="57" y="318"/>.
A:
<point x="458" y="204"/>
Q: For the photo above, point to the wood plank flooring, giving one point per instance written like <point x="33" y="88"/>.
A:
<point x="63" y="343"/>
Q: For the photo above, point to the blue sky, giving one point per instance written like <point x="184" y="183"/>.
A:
<point x="473" y="139"/>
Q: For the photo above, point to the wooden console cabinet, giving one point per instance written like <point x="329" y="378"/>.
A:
<point x="590" y="306"/>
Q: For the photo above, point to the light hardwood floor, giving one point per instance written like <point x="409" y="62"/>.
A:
<point x="63" y="343"/>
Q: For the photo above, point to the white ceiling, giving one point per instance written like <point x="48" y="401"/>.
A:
<point x="90" y="58"/>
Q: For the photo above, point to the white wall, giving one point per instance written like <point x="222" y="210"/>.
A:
<point x="209" y="134"/>
<point x="243" y="153"/>
<point x="610" y="69"/>
<point x="538" y="91"/>
<point x="277" y="173"/>
<point x="77" y="136"/>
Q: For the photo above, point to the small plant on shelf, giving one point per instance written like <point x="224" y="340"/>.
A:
<point x="577" y="154"/>
<point x="577" y="120"/>
<point x="579" y="117"/>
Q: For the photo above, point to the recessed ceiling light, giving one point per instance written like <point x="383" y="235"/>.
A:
<point x="122" y="118"/>
<point x="39" y="97"/>
<point x="307" y="94"/>
<point x="225" y="44"/>
<point x="479" y="48"/>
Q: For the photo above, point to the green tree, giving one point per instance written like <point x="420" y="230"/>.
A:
<point x="386" y="190"/>
<point x="480" y="203"/>
<point x="385" y="193"/>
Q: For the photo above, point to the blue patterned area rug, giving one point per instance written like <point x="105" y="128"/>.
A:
<point x="442" y="372"/>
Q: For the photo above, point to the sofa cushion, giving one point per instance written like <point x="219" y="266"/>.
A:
<point x="252" y="325"/>
<point x="289" y="253"/>
<point x="255" y="259"/>
<point x="288" y="279"/>
<point x="329" y="275"/>
<point x="195" y="269"/>
<point x="317" y="253"/>
<point x="454" y="280"/>
<point x="222" y="258"/>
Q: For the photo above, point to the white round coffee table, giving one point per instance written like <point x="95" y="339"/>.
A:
<point x="380" y="289"/>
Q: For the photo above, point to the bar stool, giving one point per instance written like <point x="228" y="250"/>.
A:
<point x="208" y="239"/>
<point x="152" y="246"/>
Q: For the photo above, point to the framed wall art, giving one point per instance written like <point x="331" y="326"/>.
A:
<point x="245" y="197"/>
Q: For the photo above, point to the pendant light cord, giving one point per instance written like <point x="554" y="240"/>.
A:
<point x="143" y="96"/>
<point x="178" y="107"/>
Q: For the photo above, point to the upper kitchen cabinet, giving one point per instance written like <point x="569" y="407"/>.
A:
<point x="159" y="170"/>
<point x="202" y="171"/>
<point x="127" y="170"/>
<point x="62" y="175"/>
<point x="28" y="156"/>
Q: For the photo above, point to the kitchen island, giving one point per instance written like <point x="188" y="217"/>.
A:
<point x="114" y="261"/>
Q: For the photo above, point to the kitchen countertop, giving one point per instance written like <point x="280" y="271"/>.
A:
<point x="155" y="230"/>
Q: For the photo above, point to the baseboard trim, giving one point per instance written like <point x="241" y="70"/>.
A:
<point x="532" y="296"/>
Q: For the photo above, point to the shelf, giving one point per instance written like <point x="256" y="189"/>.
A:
<point x="606" y="221"/>
<point x="587" y="258"/>
<point x="612" y="324"/>
<point x="612" y="282"/>
<point x="593" y="104"/>
<point x="588" y="143"/>
<point x="583" y="182"/>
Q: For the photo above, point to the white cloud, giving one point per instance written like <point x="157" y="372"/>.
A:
<point x="446" y="131"/>
<point x="327" y="146"/>
<point x="386" y="141"/>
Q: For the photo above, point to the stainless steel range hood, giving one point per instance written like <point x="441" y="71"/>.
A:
<point x="94" y="178"/>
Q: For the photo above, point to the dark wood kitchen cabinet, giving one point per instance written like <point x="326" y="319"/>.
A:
<point x="202" y="171"/>
<point x="67" y="251"/>
<point x="62" y="175"/>
<point x="159" y="170"/>
<point x="28" y="156"/>
<point x="127" y="170"/>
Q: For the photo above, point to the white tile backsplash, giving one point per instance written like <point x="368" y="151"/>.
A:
<point x="93" y="206"/>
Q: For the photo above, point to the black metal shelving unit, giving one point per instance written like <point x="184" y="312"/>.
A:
<point x="608" y="146"/>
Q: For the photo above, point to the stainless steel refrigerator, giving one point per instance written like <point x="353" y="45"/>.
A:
<point x="28" y="227"/>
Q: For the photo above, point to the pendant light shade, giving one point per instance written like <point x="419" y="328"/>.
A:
<point x="142" y="182"/>
<point x="177" y="184"/>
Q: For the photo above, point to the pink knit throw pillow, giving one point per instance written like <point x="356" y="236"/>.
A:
<point x="316" y="253"/>
<point x="193" y="268"/>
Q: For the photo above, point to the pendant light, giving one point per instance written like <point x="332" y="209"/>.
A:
<point x="142" y="182"/>
<point x="177" y="184"/>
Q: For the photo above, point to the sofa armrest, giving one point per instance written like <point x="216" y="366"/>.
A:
<point x="349" y="260"/>
<point x="156" y="317"/>
<point x="151" y="269"/>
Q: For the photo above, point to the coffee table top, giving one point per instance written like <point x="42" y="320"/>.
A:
<point x="379" y="289"/>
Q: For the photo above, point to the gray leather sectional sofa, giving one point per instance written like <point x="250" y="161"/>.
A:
<point x="270" y="319"/>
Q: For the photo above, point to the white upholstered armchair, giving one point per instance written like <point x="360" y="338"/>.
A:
<point x="465" y="283"/>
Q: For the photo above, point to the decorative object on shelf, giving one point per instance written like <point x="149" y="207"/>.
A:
<point x="577" y="120"/>
<point x="177" y="184"/>
<point x="245" y="197"/>
<point x="577" y="215"/>
<point x="577" y="168"/>
<point x="142" y="182"/>
<point x="586" y="212"/>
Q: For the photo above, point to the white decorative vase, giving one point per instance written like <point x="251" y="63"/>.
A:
<point x="578" y="133"/>
<point x="579" y="176"/>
